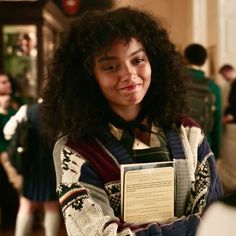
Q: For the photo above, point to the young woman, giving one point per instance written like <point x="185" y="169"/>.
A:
<point x="115" y="96"/>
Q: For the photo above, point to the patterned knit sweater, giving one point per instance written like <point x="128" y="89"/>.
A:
<point x="88" y="184"/>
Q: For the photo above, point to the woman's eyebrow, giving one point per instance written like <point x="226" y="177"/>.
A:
<point x="137" y="51"/>
<point x="107" y="58"/>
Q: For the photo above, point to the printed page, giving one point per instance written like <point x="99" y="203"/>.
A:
<point x="148" y="192"/>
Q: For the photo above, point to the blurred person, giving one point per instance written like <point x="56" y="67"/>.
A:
<point x="8" y="86"/>
<point x="25" y="45"/>
<point x="195" y="56"/>
<point x="227" y="164"/>
<point x="229" y="75"/>
<point x="39" y="184"/>
<point x="115" y="91"/>
<point x="8" y="175"/>
<point x="219" y="219"/>
<point x="5" y="84"/>
<point x="5" y="113"/>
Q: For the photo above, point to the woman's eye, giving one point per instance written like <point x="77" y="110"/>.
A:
<point x="110" y="67"/>
<point x="138" y="60"/>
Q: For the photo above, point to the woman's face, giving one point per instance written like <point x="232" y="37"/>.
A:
<point x="124" y="75"/>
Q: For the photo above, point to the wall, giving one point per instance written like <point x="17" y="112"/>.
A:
<point x="175" y="15"/>
<point x="226" y="46"/>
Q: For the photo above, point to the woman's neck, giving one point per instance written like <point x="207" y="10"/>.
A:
<point x="128" y="113"/>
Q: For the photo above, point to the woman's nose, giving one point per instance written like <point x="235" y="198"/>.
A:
<point x="128" y="73"/>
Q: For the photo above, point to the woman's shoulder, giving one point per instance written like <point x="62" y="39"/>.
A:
<point x="193" y="138"/>
<point x="189" y="128"/>
<point x="186" y="121"/>
<point x="65" y="159"/>
<point x="59" y="145"/>
<point x="65" y="146"/>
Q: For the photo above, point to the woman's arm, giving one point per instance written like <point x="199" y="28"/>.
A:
<point x="207" y="186"/>
<point x="11" y="125"/>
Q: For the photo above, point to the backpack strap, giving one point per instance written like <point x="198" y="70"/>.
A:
<point x="175" y="144"/>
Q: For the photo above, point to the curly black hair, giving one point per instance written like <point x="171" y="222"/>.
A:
<point x="73" y="102"/>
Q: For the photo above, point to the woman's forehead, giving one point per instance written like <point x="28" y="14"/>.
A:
<point x="118" y="41"/>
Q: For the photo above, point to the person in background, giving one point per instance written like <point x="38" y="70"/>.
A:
<point x="39" y="183"/>
<point x="228" y="73"/>
<point x="114" y="91"/>
<point x="195" y="56"/>
<point x="8" y="86"/>
<point x="6" y="112"/>
<point x="8" y="195"/>
<point x="227" y="164"/>
<point x="5" y="84"/>
<point x="219" y="218"/>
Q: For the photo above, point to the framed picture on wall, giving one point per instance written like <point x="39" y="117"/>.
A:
<point x="20" y="57"/>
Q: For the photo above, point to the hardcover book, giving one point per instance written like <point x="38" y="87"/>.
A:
<point x="148" y="192"/>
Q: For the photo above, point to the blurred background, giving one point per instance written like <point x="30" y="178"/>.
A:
<point x="31" y="30"/>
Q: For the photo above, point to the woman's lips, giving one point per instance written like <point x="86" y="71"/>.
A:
<point x="130" y="87"/>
